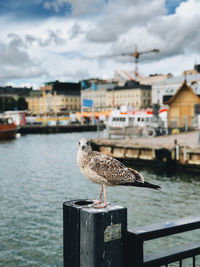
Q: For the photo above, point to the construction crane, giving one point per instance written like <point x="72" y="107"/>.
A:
<point x="136" y="55"/>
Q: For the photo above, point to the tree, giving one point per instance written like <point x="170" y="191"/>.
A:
<point x="10" y="103"/>
<point x="21" y="103"/>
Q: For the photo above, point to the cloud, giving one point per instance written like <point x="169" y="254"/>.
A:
<point x="16" y="62"/>
<point x="120" y="16"/>
<point x="15" y="72"/>
<point x="178" y="33"/>
<point x="58" y="41"/>
<point x="52" y="37"/>
<point x="75" y="76"/>
<point x="75" y="30"/>
<point x="77" y="8"/>
<point x="13" y="55"/>
<point x="172" y="5"/>
<point x="175" y="34"/>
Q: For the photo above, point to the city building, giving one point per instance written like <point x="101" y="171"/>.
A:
<point x="109" y="96"/>
<point x="182" y="107"/>
<point x="35" y="102"/>
<point x="55" y="97"/>
<point x="13" y="98"/>
<point x="153" y="78"/>
<point x="98" y="94"/>
<point x="163" y="90"/>
<point x="15" y="91"/>
<point x="122" y="76"/>
<point x="194" y="71"/>
<point x="131" y="94"/>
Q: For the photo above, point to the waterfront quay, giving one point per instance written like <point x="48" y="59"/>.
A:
<point x="172" y="151"/>
<point x="47" y="129"/>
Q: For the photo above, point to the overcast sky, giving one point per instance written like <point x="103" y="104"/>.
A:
<point x="47" y="40"/>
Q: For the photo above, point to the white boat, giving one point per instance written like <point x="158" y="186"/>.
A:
<point x="140" y="122"/>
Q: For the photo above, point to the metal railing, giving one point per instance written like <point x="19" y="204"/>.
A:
<point x="99" y="238"/>
<point x="134" y="242"/>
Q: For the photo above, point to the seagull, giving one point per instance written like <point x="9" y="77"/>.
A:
<point x="106" y="171"/>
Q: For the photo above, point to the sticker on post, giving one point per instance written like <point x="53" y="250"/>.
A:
<point x="112" y="232"/>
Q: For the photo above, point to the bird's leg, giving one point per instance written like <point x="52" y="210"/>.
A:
<point x="96" y="202"/>
<point x="103" y="205"/>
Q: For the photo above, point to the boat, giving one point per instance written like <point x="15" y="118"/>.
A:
<point x="139" y="122"/>
<point x="8" y="129"/>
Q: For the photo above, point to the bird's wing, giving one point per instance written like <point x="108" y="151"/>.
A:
<point x="138" y="176"/>
<point x="111" y="169"/>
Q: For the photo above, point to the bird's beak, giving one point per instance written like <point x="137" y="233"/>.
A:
<point x="83" y="147"/>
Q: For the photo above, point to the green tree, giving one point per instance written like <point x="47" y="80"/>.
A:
<point x="21" y="103"/>
<point x="2" y="104"/>
<point x="10" y="103"/>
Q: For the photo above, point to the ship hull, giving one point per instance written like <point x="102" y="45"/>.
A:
<point x="8" y="131"/>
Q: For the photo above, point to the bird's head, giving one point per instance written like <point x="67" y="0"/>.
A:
<point x="84" y="145"/>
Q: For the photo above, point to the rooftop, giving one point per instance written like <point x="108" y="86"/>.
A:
<point x="180" y="79"/>
<point x="132" y="85"/>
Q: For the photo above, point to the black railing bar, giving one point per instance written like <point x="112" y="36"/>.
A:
<point x="193" y="261"/>
<point x="167" y="228"/>
<point x="180" y="263"/>
<point x="172" y="255"/>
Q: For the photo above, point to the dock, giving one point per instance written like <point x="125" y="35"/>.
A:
<point x="48" y="129"/>
<point x="171" y="151"/>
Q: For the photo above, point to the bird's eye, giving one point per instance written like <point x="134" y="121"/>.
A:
<point x="87" y="143"/>
<point x="79" y="143"/>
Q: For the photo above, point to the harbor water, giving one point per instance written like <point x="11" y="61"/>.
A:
<point x="39" y="172"/>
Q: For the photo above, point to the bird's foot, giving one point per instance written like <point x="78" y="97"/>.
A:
<point x="100" y="206"/>
<point x="96" y="202"/>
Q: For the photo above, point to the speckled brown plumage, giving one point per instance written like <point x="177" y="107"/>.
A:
<point x="112" y="170"/>
<point x="106" y="171"/>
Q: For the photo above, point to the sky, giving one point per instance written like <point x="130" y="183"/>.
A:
<point x="72" y="40"/>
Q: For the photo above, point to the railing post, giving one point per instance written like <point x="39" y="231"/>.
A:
<point x="93" y="237"/>
<point x="134" y="255"/>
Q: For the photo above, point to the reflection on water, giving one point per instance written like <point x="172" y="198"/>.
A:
<point x="39" y="172"/>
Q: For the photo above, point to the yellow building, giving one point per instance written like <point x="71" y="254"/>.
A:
<point x="35" y="102"/>
<point x="66" y="103"/>
<point x="48" y="103"/>
<point x="182" y="107"/>
<point x="55" y="97"/>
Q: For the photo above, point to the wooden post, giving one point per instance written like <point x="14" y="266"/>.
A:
<point x="93" y="237"/>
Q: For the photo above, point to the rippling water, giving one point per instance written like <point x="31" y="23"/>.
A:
<point x="39" y="172"/>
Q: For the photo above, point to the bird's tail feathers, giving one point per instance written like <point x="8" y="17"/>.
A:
<point x="139" y="184"/>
